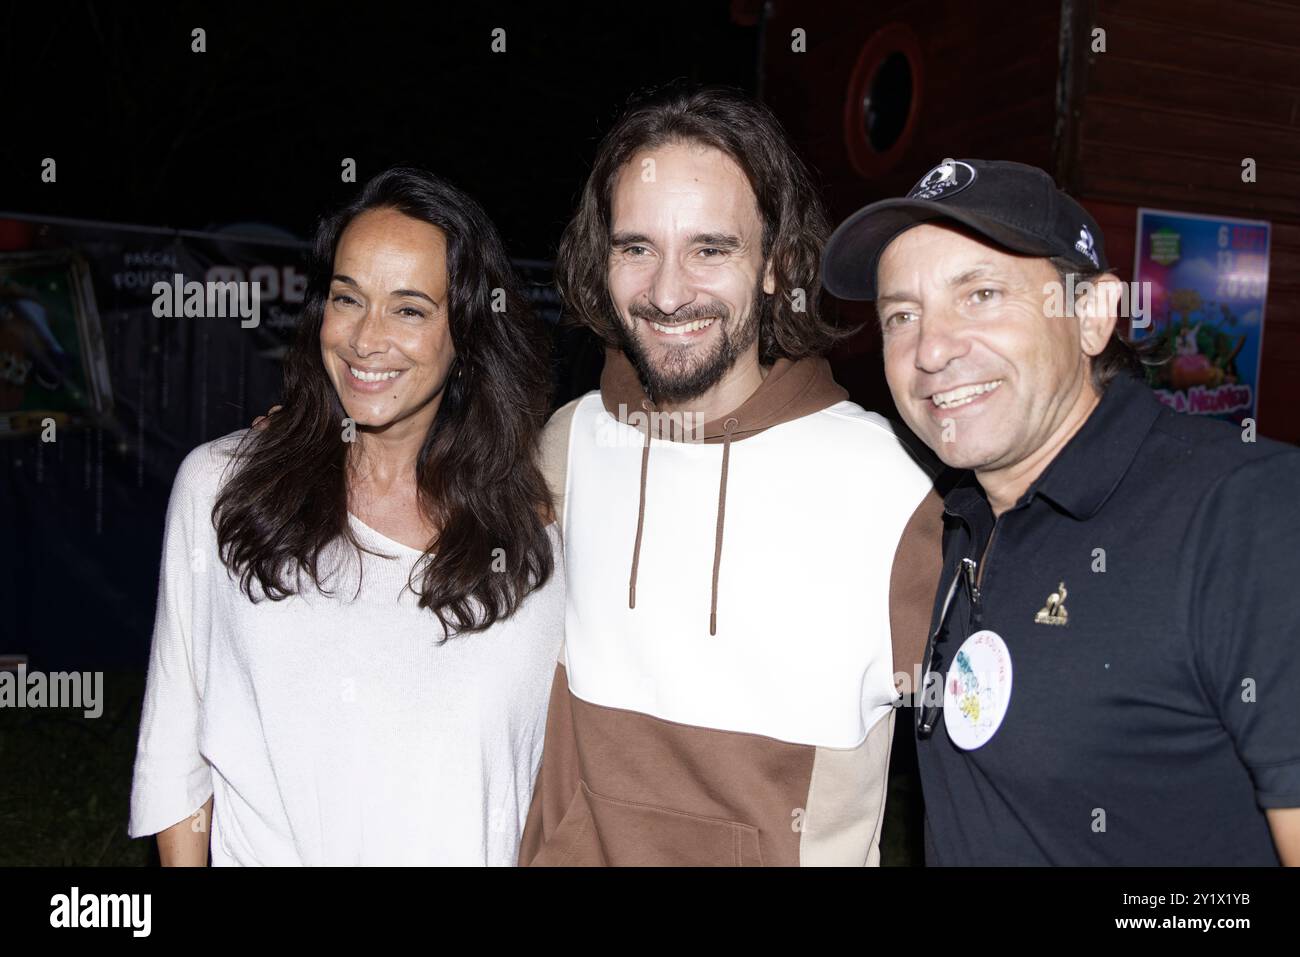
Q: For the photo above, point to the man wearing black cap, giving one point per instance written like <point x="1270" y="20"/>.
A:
<point x="1112" y="674"/>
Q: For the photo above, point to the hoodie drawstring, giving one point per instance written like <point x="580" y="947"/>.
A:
<point x="727" y="426"/>
<point x="640" y="513"/>
<point x="791" y="389"/>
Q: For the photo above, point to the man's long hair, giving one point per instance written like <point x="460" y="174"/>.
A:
<point x="794" y="223"/>
<point x="477" y="480"/>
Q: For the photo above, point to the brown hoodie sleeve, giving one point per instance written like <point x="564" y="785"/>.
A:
<point x="557" y="779"/>
<point x="913" y="584"/>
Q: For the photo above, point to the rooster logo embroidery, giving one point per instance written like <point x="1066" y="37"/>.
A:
<point x="1054" y="613"/>
<point x="1085" y="245"/>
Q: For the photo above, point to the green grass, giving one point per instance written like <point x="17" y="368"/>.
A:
<point x="65" y="782"/>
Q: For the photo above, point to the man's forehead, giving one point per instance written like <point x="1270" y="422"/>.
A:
<point x="949" y="254"/>
<point x="682" y="187"/>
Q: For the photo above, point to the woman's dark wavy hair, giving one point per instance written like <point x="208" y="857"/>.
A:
<point x="794" y="223"/>
<point x="477" y="477"/>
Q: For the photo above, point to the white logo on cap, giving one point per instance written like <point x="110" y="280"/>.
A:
<point x="1084" y="245"/>
<point x="948" y="177"/>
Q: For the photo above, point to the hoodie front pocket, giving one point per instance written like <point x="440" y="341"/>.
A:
<point x="644" y="835"/>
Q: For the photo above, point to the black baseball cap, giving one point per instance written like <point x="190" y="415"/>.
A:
<point x="1013" y="205"/>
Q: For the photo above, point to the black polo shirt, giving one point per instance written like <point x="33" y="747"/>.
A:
<point x="1155" y="712"/>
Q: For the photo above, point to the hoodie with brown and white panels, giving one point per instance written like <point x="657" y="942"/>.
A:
<point x="740" y="596"/>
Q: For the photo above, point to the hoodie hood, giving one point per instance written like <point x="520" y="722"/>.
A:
<point x="792" y="389"/>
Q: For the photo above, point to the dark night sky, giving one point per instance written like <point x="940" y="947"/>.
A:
<point x="254" y="130"/>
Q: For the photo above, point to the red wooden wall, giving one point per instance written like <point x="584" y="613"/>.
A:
<point x="1183" y="92"/>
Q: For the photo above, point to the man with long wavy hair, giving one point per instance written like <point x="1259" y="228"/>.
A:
<point x="739" y="538"/>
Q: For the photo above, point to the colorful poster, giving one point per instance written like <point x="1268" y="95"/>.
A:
<point x="51" y="347"/>
<point x="1209" y="282"/>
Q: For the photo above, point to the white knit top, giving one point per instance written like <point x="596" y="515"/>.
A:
<point x="335" y="730"/>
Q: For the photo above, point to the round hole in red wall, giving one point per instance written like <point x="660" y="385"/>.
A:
<point x="883" y="100"/>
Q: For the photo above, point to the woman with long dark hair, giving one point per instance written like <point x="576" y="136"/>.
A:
<point x="360" y="605"/>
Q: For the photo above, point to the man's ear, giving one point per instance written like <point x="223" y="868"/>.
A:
<point x="1098" y="311"/>
<point x="769" y="279"/>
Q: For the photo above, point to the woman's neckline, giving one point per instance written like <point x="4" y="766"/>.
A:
<point x="552" y="525"/>
<point x="378" y="534"/>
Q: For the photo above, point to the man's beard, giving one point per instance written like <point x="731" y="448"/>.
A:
<point x="681" y="374"/>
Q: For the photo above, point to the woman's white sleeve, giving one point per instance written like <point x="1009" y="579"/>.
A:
<point x="172" y="779"/>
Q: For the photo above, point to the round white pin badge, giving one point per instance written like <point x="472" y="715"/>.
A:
<point x="977" y="690"/>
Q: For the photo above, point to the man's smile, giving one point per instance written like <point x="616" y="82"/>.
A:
<point x="680" y="329"/>
<point x="964" y="394"/>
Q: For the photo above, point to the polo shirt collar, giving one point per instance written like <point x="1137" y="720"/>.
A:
<point x="967" y="499"/>
<point x="1092" y="464"/>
